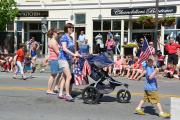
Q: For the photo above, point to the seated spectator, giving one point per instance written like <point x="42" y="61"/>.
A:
<point x="130" y="66"/>
<point x="136" y="66"/>
<point x="124" y="66"/>
<point x="160" y="60"/>
<point x="169" y="71"/>
<point x="118" y="65"/>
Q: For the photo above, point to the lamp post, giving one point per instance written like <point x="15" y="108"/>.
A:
<point x="156" y="27"/>
<point x="44" y="31"/>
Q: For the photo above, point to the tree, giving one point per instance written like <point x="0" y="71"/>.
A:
<point x="8" y="12"/>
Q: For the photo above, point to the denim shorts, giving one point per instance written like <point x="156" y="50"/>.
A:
<point x="54" y="66"/>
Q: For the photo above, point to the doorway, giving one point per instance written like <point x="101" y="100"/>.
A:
<point x="77" y="31"/>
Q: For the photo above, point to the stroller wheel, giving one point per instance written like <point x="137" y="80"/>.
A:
<point x="123" y="96"/>
<point x="90" y="95"/>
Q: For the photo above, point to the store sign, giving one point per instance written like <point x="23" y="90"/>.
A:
<point x="140" y="11"/>
<point x="33" y="14"/>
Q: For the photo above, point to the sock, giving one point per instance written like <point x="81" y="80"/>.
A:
<point x="161" y="112"/>
<point x="67" y="94"/>
<point x="61" y="91"/>
<point x="138" y="108"/>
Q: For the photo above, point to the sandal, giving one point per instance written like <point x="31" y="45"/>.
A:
<point x="50" y="93"/>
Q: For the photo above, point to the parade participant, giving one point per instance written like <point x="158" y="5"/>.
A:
<point x="65" y="60"/>
<point x="151" y="90"/>
<point x="53" y="58"/>
<point x="19" y="61"/>
<point x="34" y="46"/>
<point x="28" y="64"/>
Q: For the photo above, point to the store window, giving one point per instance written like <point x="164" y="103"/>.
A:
<point x="106" y="24"/>
<point x="178" y="23"/>
<point x="80" y="18"/>
<point x="61" y="25"/>
<point x="116" y="24"/>
<point x="10" y="26"/>
<point x="137" y="25"/>
<point x="126" y="25"/>
<point x="58" y="25"/>
<point x="97" y="25"/>
<point x="19" y="26"/>
<point x="35" y="26"/>
<point x="54" y="24"/>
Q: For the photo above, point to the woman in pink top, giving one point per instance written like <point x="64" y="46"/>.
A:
<point x="53" y="58"/>
<point x="118" y="65"/>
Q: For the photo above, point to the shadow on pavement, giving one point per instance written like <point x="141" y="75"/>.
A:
<point x="150" y="110"/>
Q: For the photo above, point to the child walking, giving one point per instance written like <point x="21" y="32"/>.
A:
<point x="28" y="64"/>
<point x="151" y="91"/>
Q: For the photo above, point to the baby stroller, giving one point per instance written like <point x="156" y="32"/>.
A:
<point x="104" y="84"/>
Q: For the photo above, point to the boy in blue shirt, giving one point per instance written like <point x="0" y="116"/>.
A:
<point x="151" y="90"/>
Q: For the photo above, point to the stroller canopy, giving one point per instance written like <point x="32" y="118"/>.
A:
<point x="100" y="61"/>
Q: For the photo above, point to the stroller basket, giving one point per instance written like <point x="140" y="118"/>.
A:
<point x="95" y="75"/>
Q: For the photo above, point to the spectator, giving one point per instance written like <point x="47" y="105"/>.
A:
<point x="99" y="43"/>
<point x="82" y="38"/>
<point x="172" y="49"/>
<point x="118" y="65"/>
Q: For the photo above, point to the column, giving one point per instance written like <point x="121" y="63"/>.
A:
<point x="122" y="37"/>
<point x="162" y="39"/>
<point x="129" y="31"/>
<point x="15" y="36"/>
<point x="22" y="32"/>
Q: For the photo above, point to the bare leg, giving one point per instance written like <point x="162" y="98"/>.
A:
<point x="50" y="83"/>
<point x="134" y="71"/>
<point x="159" y="107"/>
<point x="141" y="103"/>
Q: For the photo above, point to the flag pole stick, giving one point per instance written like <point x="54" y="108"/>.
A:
<point x="150" y="50"/>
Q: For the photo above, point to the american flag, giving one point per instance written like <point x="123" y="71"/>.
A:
<point x="80" y="77"/>
<point x="146" y="51"/>
<point x="86" y="68"/>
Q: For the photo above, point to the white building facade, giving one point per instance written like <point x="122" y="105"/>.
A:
<point x="93" y="17"/>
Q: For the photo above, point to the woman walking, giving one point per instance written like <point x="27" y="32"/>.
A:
<point x="53" y="58"/>
<point x="66" y="58"/>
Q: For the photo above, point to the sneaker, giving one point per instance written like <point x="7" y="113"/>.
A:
<point x="165" y="115"/>
<point x="62" y="97"/>
<point x="139" y="111"/>
<point x="69" y="98"/>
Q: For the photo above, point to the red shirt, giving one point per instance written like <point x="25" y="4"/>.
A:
<point x="20" y="55"/>
<point x="172" y="48"/>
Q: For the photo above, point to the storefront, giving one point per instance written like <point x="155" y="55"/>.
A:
<point x="93" y="18"/>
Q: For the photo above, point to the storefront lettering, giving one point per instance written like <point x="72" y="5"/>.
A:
<point x="33" y="14"/>
<point x="139" y="11"/>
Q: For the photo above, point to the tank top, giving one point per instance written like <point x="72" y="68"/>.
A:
<point x="52" y="54"/>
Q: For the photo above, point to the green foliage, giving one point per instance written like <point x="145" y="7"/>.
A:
<point x="146" y="20"/>
<point x="8" y="12"/>
<point x="149" y="20"/>
<point x="130" y="45"/>
<point x="168" y="21"/>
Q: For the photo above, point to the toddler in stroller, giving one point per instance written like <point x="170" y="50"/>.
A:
<point x="104" y="84"/>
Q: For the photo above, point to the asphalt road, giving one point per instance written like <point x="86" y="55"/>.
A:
<point x="26" y="100"/>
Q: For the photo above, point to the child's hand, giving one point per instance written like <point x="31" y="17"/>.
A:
<point x="157" y="70"/>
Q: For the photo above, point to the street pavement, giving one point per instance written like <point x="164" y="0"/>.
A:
<point x="27" y="100"/>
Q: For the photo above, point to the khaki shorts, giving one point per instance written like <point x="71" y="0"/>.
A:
<point x="65" y="64"/>
<point x="151" y="97"/>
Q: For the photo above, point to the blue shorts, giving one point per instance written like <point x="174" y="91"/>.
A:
<point x="54" y="66"/>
